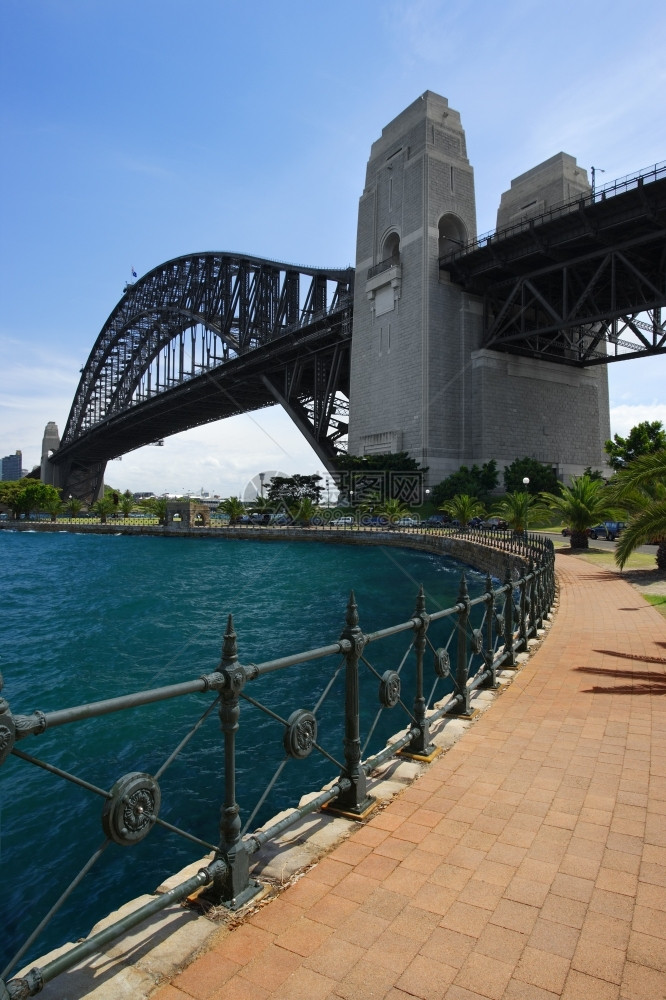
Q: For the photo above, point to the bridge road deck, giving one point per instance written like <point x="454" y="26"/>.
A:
<point x="527" y="863"/>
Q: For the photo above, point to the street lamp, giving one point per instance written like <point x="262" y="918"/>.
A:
<point x="526" y="483"/>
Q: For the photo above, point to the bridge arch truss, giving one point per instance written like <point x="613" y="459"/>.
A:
<point x="203" y="337"/>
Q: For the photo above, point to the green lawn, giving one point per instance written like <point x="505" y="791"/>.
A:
<point x="603" y="557"/>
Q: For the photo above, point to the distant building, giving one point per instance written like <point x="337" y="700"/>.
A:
<point x="12" y="466"/>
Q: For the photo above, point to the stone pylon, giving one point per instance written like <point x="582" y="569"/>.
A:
<point x="420" y="380"/>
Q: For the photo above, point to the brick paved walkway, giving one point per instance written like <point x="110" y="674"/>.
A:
<point x="527" y="863"/>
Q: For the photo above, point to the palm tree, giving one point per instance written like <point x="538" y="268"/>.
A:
<point x="157" y="506"/>
<point x="103" y="507"/>
<point x="463" y="508"/>
<point x="126" y="504"/>
<point x="304" y="511"/>
<point x="234" y="507"/>
<point x="74" y="506"/>
<point x="54" y="506"/>
<point x="519" y="510"/>
<point x="582" y="504"/>
<point x="391" y="509"/>
<point x="641" y="488"/>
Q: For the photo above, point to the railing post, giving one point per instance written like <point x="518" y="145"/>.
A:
<point x="510" y="652"/>
<point x="533" y="598"/>
<point x="234" y="887"/>
<point x="355" y="800"/>
<point x="488" y="657"/>
<point x="421" y="746"/>
<point x="462" y="672"/>
<point x="524" y="609"/>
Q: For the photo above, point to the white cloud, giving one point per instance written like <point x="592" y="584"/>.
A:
<point x="624" y="417"/>
<point x="220" y="458"/>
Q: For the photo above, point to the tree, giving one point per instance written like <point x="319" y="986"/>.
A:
<point x="234" y="507"/>
<point x="292" y="490"/>
<point x="641" y="488"/>
<point x="392" y="473"/>
<point x="582" y="505"/>
<point x="261" y="504"/>
<point x="74" y="506"/>
<point x="304" y="511"/>
<point x="23" y="496"/>
<point x="157" y="507"/>
<point x="463" y="508"/>
<point x="644" y="439"/>
<point x="519" y="510"/>
<point x="475" y="482"/>
<point x="54" y="506"/>
<point x="10" y="495"/>
<point x="392" y="509"/>
<point x="541" y="477"/>
<point x="103" y="507"/>
<point x="126" y="503"/>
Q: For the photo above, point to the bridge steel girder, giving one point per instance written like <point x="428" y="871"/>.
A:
<point x="204" y="337"/>
<point x="585" y="287"/>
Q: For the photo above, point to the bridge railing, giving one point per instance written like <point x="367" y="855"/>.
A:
<point x="631" y="181"/>
<point x="423" y="668"/>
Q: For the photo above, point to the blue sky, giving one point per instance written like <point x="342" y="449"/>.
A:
<point x="134" y="132"/>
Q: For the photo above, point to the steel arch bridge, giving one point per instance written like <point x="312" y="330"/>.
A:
<point x="204" y="337"/>
<point x="211" y="335"/>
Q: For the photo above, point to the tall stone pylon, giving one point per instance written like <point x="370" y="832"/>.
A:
<point x="50" y="443"/>
<point x="413" y="331"/>
<point x="420" y="380"/>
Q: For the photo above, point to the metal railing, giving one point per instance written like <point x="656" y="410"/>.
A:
<point x="438" y="660"/>
<point x="556" y="211"/>
<point x="383" y="265"/>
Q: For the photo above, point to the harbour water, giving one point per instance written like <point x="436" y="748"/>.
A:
<point x="88" y="617"/>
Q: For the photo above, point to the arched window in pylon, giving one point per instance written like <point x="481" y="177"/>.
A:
<point x="391" y="248"/>
<point x="452" y="234"/>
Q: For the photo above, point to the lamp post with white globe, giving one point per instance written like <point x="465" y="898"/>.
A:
<point x="526" y="483"/>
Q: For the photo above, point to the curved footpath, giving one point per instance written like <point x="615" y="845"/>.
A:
<point x="528" y="862"/>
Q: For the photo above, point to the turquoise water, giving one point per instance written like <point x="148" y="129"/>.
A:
<point x="86" y="617"/>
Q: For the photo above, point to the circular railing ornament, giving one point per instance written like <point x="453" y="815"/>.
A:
<point x="477" y="640"/>
<point x="301" y="734"/>
<point x="517" y="614"/>
<point x="442" y="662"/>
<point x="129" y="815"/>
<point x="389" y="689"/>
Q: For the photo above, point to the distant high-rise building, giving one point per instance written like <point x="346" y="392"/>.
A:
<point x="12" y="466"/>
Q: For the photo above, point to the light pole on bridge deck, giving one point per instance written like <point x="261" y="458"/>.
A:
<point x="526" y="483"/>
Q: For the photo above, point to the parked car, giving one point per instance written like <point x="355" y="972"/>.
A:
<point x="495" y="524"/>
<point x="476" y="522"/>
<point x="342" y="522"/>
<point x="260" y="517"/>
<point x="437" y="521"/>
<point x="613" y="529"/>
<point x="608" y="530"/>
<point x="374" y="521"/>
<point x="407" y="522"/>
<point x="281" y="519"/>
